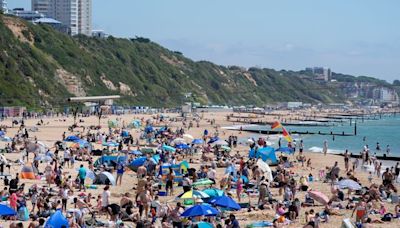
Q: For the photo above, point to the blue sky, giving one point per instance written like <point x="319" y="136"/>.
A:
<point x="360" y="37"/>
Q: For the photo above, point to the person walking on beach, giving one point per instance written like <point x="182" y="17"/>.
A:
<point x="82" y="177"/>
<point x="346" y="159"/>
<point x="396" y="171"/>
<point x="325" y="149"/>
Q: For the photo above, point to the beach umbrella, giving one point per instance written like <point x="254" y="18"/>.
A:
<point x="214" y="139"/>
<point x="168" y="148"/>
<point x="72" y="138"/>
<point x="182" y="146"/>
<point x="57" y="220"/>
<point x="202" y="182"/>
<point x="204" y="225"/>
<point x="350" y="184"/>
<point x="110" y="144"/>
<point x="226" y="148"/>
<point x="193" y="194"/>
<point x="135" y="152"/>
<point x="225" y="202"/>
<point x="149" y="129"/>
<point x="138" y="161"/>
<point x="2" y="133"/>
<point x="6" y="210"/>
<point x="319" y="197"/>
<point x="200" y="210"/>
<point x="197" y="141"/>
<point x="220" y="142"/>
<point x="213" y="192"/>
<point x="178" y="141"/>
<point x="188" y="136"/>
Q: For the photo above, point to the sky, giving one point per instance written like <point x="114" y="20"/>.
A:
<point x="358" y="37"/>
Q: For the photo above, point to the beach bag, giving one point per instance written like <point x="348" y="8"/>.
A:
<point x="387" y="217"/>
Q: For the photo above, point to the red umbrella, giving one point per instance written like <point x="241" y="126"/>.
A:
<point x="319" y="197"/>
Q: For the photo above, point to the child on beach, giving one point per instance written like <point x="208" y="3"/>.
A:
<point x="370" y="177"/>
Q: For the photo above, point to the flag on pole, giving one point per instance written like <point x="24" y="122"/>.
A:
<point x="276" y="125"/>
<point x="286" y="135"/>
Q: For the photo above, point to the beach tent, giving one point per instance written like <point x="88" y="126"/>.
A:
<point x="6" y="210"/>
<point x="203" y="182"/>
<point x="286" y="150"/>
<point x="178" y="141"/>
<point x="104" y="178"/>
<point x="267" y="154"/>
<point x="135" y="152"/>
<point x="110" y="144"/>
<point x="109" y="160"/>
<point x="113" y="123"/>
<point x="148" y="129"/>
<point x="265" y="169"/>
<point x="2" y="133"/>
<point x="57" y="220"/>
<point x="5" y="139"/>
<point x="27" y="172"/>
<point x="135" y="124"/>
<point x="188" y="136"/>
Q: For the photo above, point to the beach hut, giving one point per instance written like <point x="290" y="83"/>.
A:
<point x="27" y="172"/>
<point x="57" y="220"/>
<point x="104" y="178"/>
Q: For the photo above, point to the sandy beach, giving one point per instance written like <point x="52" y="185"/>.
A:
<point x="54" y="127"/>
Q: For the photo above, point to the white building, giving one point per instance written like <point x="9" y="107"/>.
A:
<point x="41" y="6"/>
<point x="75" y="14"/>
<point x="3" y="6"/>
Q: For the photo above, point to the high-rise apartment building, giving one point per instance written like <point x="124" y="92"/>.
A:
<point x="42" y="6"/>
<point x="3" y="6"/>
<point x="75" y="14"/>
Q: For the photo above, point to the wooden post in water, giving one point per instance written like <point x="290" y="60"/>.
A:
<point x="355" y="128"/>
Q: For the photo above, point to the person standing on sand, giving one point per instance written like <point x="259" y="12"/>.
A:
<point x="346" y="159"/>
<point x="396" y="171"/>
<point x="82" y="177"/>
<point x="325" y="148"/>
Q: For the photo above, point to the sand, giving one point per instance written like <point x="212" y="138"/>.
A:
<point x="54" y="128"/>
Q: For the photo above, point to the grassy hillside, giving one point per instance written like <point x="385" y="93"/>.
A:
<point x="40" y="67"/>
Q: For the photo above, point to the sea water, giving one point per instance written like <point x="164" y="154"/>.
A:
<point x="386" y="131"/>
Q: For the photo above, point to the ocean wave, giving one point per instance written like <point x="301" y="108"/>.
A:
<point x="316" y="149"/>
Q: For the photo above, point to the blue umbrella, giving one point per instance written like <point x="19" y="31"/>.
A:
<point x="6" y="210"/>
<point x="204" y="225"/>
<point x="57" y="220"/>
<point x="214" y="139"/>
<point x="138" y="161"/>
<point x="135" y="152"/>
<point x="168" y="148"/>
<point x="200" y="210"/>
<point x="182" y="146"/>
<point x="213" y="192"/>
<point x="197" y="141"/>
<point x="72" y="138"/>
<point x="149" y="129"/>
<point x="226" y="202"/>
